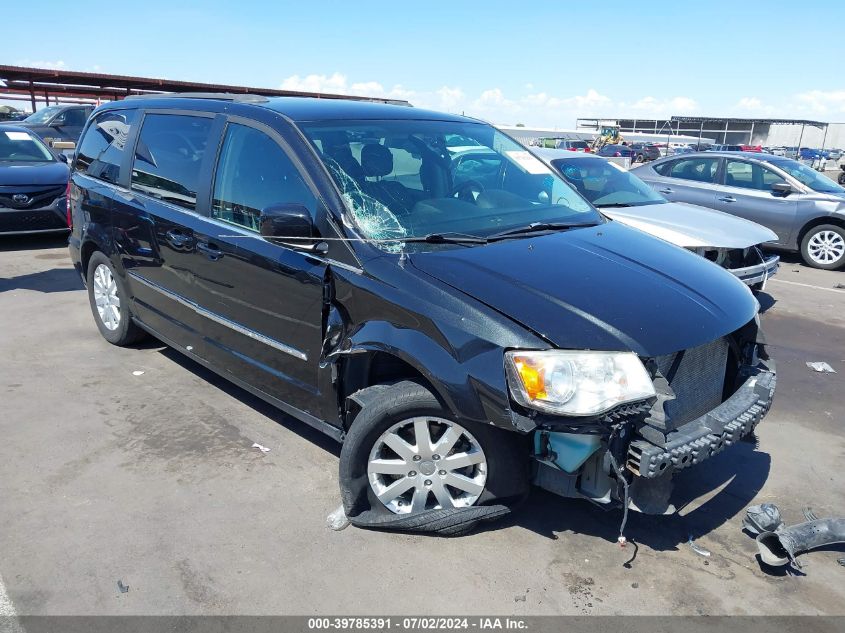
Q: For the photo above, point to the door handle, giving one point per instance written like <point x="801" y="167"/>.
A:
<point x="726" y="199"/>
<point x="209" y="250"/>
<point x="179" y="240"/>
<point x="667" y="190"/>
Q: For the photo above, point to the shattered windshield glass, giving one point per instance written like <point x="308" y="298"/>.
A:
<point x="414" y="178"/>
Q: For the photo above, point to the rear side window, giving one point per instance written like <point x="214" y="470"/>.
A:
<point x="168" y="157"/>
<point x="74" y="117"/>
<point x="697" y="169"/>
<point x="101" y="150"/>
<point x="253" y="173"/>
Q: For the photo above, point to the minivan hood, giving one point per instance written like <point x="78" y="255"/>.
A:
<point x="691" y="226"/>
<point x="32" y="173"/>
<point x="604" y="288"/>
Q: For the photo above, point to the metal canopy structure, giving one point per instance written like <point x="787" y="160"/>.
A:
<point x="726" y="130"/>
<point x="65" y="86"/>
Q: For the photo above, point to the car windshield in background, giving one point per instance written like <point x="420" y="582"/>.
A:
<point x="606" y="184"/>
<point x="810" y="177"/>
<point x="16" y="145"/>
<point x="43" y="115"/>
<point x="412" y="179"/>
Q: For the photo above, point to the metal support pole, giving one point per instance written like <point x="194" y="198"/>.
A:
<point x="700" y="131"/>
<point x="751" y="134"/>
<point x="32" y="94"/>
<point x="725" y="135"/>
<point x="798" y="149"/>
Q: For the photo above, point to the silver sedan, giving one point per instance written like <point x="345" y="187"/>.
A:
<point x="803" y="207"/>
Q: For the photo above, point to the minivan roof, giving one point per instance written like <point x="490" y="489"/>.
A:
<point x="301" y="109"/>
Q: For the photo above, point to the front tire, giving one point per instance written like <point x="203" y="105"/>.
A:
<point x="405" y="454"/>
<point x="823" y="247"/>
<point x="109" y="302"/>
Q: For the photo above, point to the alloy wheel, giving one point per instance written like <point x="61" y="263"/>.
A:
<point x="826" y="247"/>
<point x="105" y="297"/>
<point x="426" y="463"/>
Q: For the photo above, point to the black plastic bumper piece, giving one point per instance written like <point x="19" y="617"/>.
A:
<point x="708" y="435"/>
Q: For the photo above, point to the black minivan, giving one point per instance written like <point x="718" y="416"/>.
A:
<point x="464" y="327"/>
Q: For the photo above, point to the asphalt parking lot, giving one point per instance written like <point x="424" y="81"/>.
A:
<point x="108" y="475"/>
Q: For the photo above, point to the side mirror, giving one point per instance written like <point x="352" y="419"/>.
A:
<point x="291" y="224"/>
<point x="782" y="188"/>
<point x="62" y="157"/>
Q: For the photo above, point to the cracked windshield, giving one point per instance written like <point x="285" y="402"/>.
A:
<point x="412" y="179"/>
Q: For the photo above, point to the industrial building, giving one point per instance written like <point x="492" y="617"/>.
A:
<point x="726" y="130"/>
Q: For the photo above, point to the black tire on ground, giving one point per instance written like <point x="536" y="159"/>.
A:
<point x="640" y="158"/>
<point x="842" y="178"/>
<point x="126" y="331"/>
<point x="506" y="452"/>
<point x="805" y="243"/>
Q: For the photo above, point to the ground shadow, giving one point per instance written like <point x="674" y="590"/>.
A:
<point x="766" y="300"/>
<point x="32" y="242"/>
<point x="53" y="280"/>
<point x="229" y="388"/>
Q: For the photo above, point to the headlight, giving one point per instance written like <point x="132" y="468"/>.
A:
<point x="576" y="383"/>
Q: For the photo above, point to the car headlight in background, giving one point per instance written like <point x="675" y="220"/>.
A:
<point x="576" y="383"/>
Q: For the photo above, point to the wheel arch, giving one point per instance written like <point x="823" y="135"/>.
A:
<point x="818" y="221"/>
<point x="380" y="353"/>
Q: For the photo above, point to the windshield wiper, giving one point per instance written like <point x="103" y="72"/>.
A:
<point x="446" y="238"/>
<point x="538" y="227"/>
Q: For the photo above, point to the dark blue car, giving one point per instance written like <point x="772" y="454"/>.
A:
<point x="33" y="181"/>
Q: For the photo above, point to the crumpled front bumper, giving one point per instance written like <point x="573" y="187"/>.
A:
<point x="758" y="273"/>
<point x="708" y="435"/>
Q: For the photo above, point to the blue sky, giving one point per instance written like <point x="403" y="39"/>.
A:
<point x="539" y="63"/>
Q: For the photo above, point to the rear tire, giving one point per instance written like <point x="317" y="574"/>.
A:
<point x="823" y="247"/>
<point x="109" y="302"/>
<point x="371" y="471"/>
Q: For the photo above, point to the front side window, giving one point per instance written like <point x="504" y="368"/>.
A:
<point x="807" y="176"/>
<point x="739" y="173"/>
<point x="606" y="184"/>
<point x="412" y="178"/>
<point x="697" y="169"/>
<point x="21" y="146"/>
<point x="43" y="115"/>
<point x="102" y="148"/>
<point x="253" y="173"/>
<point x="168" y="157"/>
<point x="73" y="117"/>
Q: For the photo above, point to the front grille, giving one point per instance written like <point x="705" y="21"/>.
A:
<point x="37" y="197"/>
<point x="30" y="221"/>
<point x="697" y="378"/>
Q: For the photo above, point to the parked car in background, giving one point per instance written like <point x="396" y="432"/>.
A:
<point x="725" y="148"/>
<point x="834" y="154"/>
<point x="645" y="151"/>
<point x="460" y="339"/>
<point x="616" y="150"/>
<point x="8" y="113"/>
<point x="33" y="181"/>
<point x="731" y="242"/>
<point x="751" y="148"/>
<point x="778" y="151"/>
<point x="58" y="122"/>
<point x="682" y="149"/>
<point x="573" y="146"/>
<point x="805" y="208"/>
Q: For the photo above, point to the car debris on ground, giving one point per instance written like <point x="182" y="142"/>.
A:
<point x="778" y="546"/>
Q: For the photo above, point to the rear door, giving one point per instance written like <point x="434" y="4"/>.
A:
<point x="693" y="180"/>
<point x="262" y="301"/>
<point x="747" y="192"/>
<point x="156" y="220"/>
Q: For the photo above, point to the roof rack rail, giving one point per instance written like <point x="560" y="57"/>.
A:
<point x="220" y="96"/>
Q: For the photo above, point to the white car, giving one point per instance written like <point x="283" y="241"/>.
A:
<point x="731" y="242"/>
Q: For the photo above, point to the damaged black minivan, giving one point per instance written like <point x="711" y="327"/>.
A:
<point x="464" y="326"/>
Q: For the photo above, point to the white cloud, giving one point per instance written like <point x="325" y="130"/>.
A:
<point x="821" y="101"/>
<point x="55" y="65"/>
